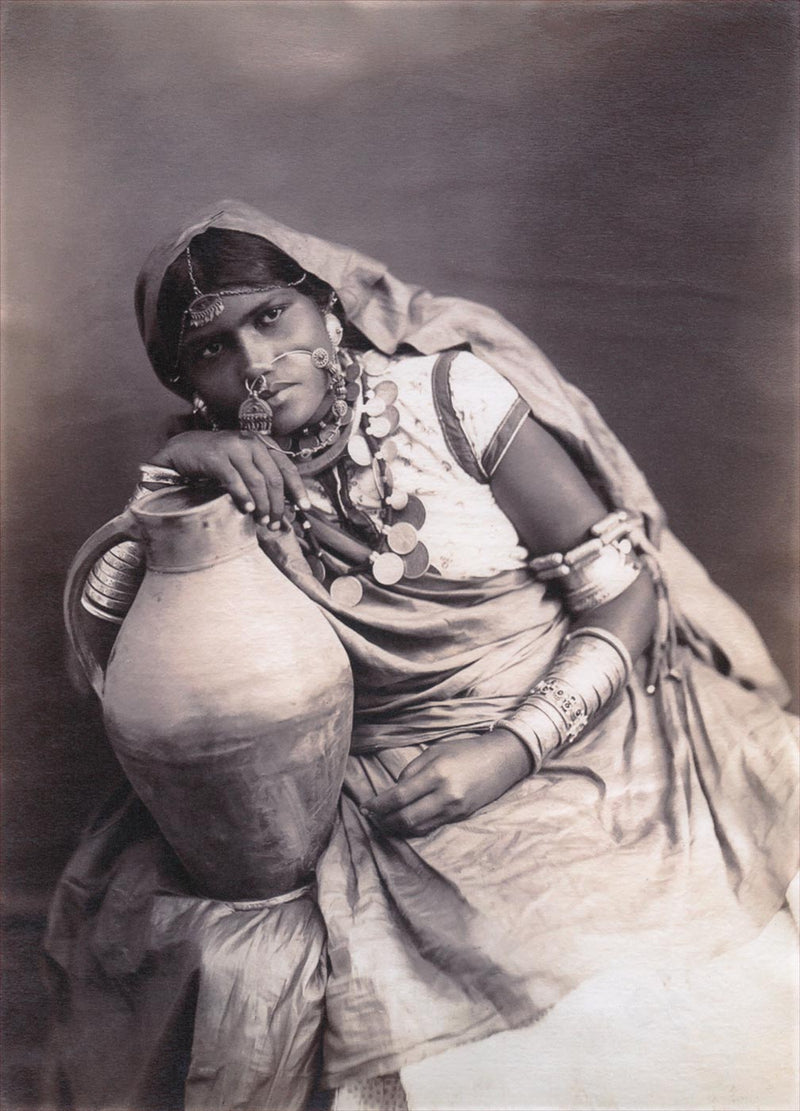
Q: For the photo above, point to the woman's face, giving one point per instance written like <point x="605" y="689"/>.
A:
<point x="218" y="359"/>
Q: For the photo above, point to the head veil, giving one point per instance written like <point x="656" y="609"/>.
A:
<point x="391" y="313"/>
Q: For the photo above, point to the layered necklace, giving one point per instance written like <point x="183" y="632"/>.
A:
<point x="327" y="451"/>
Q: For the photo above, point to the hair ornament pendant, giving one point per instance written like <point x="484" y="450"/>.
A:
<point x="204" y="309"/>
<point x="206" y="306"/>
<point x="255" y="414"/>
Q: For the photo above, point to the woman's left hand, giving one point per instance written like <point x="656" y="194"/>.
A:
<point x="450" y="781"/>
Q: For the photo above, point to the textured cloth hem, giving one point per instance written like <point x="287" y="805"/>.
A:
<point x="394" y="1062"/>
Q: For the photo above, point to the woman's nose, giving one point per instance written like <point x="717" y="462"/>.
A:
<point x="256" y="354"/>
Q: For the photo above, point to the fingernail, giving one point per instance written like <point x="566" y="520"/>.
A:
<point x="264" y="520"/>
<point x="249" y="506"/>
<point x="274" y="525"/>
<point x="304" y="503"/>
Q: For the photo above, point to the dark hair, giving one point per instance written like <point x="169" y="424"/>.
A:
<point x="223" y="259"/>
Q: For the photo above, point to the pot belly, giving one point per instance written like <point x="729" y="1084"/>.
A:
<point x="247" y="805"/>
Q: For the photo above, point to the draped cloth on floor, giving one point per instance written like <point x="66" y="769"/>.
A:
<point x="666" y="833"/>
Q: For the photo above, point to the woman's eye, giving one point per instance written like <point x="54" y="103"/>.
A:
<point x="211" y="350"/>
<point x="271" y="315"/>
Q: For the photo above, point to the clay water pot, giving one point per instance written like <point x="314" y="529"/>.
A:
<point x="227" y="697"/>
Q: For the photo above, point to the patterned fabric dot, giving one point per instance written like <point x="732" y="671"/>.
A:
<point x="378" y="1093"/>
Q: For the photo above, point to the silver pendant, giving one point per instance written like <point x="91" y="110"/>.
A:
<point x="387" y="392"/>
<point x="417" y="562"/>
<point x="317" y="567"/>
<point x="358" y="450"/>
<point x="393" y="417"/>
<point x="402" y="538"/>
<point x="413" y="512"/>
<point x="379" y="427"/>
<point x="255" y="416"/>
<point x="387" y="568"/>
<point x="374" y="407"/>
<point x="388" y="451"/>
<point x="346" y="591"/>
<point x="320" y="358"/>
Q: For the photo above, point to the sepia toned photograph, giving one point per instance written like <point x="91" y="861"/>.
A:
<point x="400" y="555"/>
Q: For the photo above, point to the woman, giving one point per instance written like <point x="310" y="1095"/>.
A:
<point x="554" y="759"/>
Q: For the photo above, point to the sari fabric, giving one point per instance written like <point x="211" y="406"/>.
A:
<point x="664" y="836"/>
<point x="390" y="313"/>
<point x="681" y="806"/>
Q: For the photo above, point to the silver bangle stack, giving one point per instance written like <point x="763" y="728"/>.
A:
<point x="592" y="667"/>
<point x="113" y="582"/>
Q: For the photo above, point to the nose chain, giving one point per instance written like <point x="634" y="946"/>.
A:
<point x="315" y="445"/>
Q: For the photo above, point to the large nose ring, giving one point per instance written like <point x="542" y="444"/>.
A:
<point x="257" y="386"/>
<point x="255" y="415"/>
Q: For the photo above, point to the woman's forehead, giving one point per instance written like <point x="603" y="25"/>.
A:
<point x="238" y="308"/>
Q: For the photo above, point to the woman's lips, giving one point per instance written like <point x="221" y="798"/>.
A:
<point x="277" y="388"/>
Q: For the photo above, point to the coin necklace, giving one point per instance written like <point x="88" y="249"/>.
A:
<point x="398" y="552"/>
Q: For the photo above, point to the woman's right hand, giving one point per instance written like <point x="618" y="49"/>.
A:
<point x="257" y="477"/>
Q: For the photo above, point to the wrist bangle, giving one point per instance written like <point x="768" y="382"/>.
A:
<point x="535" y="730"/>
<point x="591" y="668"/>
<point x="609" y="638"/>
<point x="153" y="475"/>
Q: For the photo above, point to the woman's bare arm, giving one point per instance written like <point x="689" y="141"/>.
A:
<point x="552" y="507"/>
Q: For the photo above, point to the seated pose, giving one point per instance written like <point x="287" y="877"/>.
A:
<point x="568" y="754"/>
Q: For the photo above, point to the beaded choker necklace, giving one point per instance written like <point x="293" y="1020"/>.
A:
<point x="396" y="550"/>
<point x="308" y="444"/>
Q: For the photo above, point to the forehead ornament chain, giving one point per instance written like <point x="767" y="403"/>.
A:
<point x="207" y="306"/>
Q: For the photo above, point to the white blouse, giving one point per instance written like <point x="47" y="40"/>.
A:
<point x="466" y="533"/>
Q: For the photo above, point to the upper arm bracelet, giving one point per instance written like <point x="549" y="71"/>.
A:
<point x="597" y="570"/>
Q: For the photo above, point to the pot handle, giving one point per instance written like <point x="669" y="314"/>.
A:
<point x="123" y="527"/>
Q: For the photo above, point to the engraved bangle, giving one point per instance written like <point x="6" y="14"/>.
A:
<point x="591" y="668"/>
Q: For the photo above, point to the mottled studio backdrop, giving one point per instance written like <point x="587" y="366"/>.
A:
<point x="617" y="178"/>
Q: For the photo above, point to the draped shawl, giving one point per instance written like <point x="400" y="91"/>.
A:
<point x="391" y="313"/>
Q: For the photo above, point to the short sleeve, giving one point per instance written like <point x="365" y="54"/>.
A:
<point x="488" y="408"/>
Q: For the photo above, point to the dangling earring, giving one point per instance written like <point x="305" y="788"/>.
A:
<point x="333" y="326"/>
<point x="337" y="384"/>
<point x="336" y="378"/>
<point x="255" y="415"/>
<point x="202" y="414"/>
